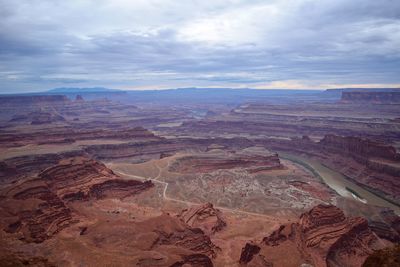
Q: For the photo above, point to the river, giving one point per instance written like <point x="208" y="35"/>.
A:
<point x="338" y="182"/>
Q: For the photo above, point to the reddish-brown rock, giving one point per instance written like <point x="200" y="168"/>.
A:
<point x="38" y="208"/>
<point x="359" y="147"/>
<point x="248" y="252"/>
<point x="194" y="260"/>
<point x="253" y="159"/>
<point x="324" y="236"/>
<point x="205" y="217"/>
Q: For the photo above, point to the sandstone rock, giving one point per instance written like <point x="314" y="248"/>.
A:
<point x="248" y="252"/>
<point x="359" y="147"/>
<point x="251" y="159"/>
<point x="38" y="208"/>
<point x="194" y="260"/>
<point x="388" y="257"/>
<point x="323" y="237"/>
<point x="205" y="217"/>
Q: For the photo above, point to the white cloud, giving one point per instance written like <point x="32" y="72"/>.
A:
<point x="164" y="43"/>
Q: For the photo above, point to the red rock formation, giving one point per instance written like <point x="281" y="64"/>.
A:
<point x="389" y="227"/>
<point x="39" y="214"/>
<point x="207" y="162"/>
<point x="205" y="217"/>
<point x="38" y="208"/>
<point x="248" y="252"/>
<point x="81" y="178"/>
<point x="359" y="147"/>
<point x="194" y="260"/>
<point x="71" y="134"/>
<point x="174" y="232"/>
<point x="324" y="237"/>
<point x="388" y="257"/>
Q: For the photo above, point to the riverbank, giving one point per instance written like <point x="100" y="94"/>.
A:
<point x="342" y="185"/>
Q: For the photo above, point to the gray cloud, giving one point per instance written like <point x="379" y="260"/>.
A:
<point x="163" y="43"/>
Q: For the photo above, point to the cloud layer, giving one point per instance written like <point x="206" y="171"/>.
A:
<point x="220" y="43"/>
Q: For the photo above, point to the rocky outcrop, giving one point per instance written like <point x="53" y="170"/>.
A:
<point x="194" y="260"/>
<point x="172" y="231"/>
<point x="248" y="252"/>
<point x="389" y="227"/>
<point x="388" y="257"/>
<point x="371" y="97"/>
<point x="81" y="178"/>
<point x="16" y="260"/>
<point x="38" y="208"/>
<point x="205" y="217"/>
<point x="324" y="236"/>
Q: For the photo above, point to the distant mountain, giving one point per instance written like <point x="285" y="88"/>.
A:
<point x="67" y="90"/>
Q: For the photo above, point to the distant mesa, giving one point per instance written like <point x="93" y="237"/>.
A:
<point x="83" y="90"/>
<point x="23" y="100"/>
<point x="378" y="97"/>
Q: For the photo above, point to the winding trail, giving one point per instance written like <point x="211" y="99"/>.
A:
<point x="189" y="202"/>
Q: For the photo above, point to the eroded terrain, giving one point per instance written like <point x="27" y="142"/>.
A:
<point x="106" y="182"/>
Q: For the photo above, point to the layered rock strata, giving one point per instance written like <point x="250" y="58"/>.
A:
<point x="324" y="236"/>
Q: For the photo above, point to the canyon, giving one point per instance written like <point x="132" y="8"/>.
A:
<point x="168" y="179"/>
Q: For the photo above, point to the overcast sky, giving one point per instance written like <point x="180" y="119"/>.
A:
<point x="144" y="44"/>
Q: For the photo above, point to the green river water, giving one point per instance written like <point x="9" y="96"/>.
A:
<point x="338" y="182"/>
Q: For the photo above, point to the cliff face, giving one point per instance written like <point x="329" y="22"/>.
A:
<point x="359" y="147"/>
<point x="323" y="237"/>
<point x="38" y="208"/>
<point x="371" y="97"/>
<point x="251" y="159"/>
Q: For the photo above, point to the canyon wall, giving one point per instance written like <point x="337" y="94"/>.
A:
<point x="371" y="97"/>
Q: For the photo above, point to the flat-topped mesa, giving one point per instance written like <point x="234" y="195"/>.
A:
<point x="360" y="147"/>
<point x="251" y="159"/>
<point x="33" y="100"/>
<point x="205" y="217"/>
<point x="324" y="237"/>
<point x="371" y="97"/>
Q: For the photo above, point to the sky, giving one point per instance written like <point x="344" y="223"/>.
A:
<point x="157" y="44"/>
